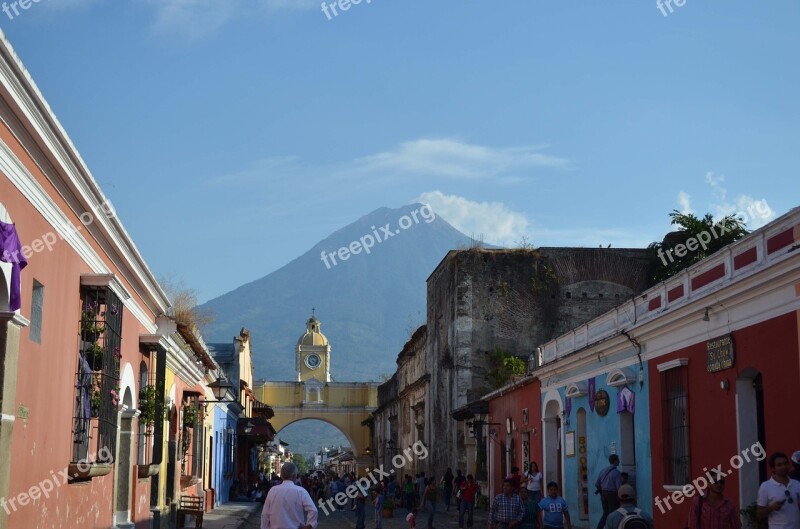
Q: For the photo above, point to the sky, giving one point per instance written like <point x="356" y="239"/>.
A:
<point x="233" y="135"/>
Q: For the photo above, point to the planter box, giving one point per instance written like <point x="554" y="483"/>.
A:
<point x="145" y="471"/>
<point x="89" y="470"/>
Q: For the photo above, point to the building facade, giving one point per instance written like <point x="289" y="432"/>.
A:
<point x="481" y="301"/>
<point x="688" y="376"/>
<point x="400" y="419"/>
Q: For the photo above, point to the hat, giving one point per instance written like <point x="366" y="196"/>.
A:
<point x="796" y="457"/>
<point x="626" y="492"/>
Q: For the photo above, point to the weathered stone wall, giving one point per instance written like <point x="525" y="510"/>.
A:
<point x="480" y="300"/>
<point x="400" y="416"/>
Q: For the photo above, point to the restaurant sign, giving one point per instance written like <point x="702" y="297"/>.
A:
<point x="720" y="353"/>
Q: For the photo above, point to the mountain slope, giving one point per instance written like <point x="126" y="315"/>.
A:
<point x="367" y="305"/>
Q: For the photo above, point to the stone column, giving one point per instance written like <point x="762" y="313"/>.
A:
<point x="11" y="325"/>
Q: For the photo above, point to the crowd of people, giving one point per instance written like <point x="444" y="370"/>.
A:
<point x="520" y="505"/>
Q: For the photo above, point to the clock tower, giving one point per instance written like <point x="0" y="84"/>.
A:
<point x="313" y="354"/>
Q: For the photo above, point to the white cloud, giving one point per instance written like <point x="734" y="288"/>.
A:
<point x="755" y="212"/>
<point x="493" y="221"/>
<point x="685" y="200"/>
<point x="453" y="159"/>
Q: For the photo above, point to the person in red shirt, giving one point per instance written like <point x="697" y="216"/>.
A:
<point x="468" y="492"/>
<point x="713" y="510"/>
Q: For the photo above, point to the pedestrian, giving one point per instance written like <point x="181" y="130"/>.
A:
<point x="411" y="519"/>
<point x="469" y="492"/>
<point x="429" y="500"/>
<point x="516" y="478"/>
<point x="533" y="482"/>
<point x="457" y="481"/>
<point x="288" y="506"/>
<point x="779" y="497"/>
<point x="421" y="484"/>
<point x="447" y="488"/>
<point x="795" y="474"/>
<point x="712" y="510"/>
<point x="554" y="513"/>
<point x="377" y="501"/>
<point x="408" y="490"/>
<point x="531" y="518"/>
<point x="607" y="485"/>
<point x="629" y="516"/>
<point x="507" y="509"/>
<point x="360" y="508"/>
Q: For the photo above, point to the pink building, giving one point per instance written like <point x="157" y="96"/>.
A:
<point x="84" y="341"/>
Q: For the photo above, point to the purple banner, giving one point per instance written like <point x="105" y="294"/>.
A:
<point x="591" y="393"/>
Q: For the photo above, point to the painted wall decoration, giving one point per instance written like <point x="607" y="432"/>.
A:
<point x="601" y="403"/>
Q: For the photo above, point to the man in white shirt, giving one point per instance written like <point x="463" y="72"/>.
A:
<point x="779" y="496"/>
<point x="288" y="506"/>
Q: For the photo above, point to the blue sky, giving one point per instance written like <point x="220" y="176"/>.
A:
<point x="247" y="130"/>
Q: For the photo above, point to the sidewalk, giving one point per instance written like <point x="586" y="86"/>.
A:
<point x="231" y="515"/>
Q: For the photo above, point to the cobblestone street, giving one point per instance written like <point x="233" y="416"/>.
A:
<point x="347" y="520"/>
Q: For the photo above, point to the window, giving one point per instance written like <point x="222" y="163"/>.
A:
<point x="37" y="305"/>
<point x="676" y="425"/>
<point x="94" y="432"/>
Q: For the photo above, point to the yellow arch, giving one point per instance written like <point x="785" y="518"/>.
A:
<point x="344" y="405"/>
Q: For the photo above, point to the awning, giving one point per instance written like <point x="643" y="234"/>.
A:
<point x="256" y="427"/>
<point x="465" y="413"/>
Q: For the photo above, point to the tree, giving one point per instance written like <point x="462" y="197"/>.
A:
<point x="503" y="366"/>
<point x="301" y="462"/>
<point x="695" y="240"/>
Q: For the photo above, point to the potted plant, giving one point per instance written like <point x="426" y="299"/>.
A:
<point x="94" y="356"/>
<point x="191" y="414"/>
<point x="147" y="405"/>
<point x="482" y="503"/>
<point x="388" y="508"/>
<point x="750" y="519"/>
<point x="95" y="402"/>
<point x="91" y="329"/>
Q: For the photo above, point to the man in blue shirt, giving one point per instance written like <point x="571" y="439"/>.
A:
<point x="607" y="485"/>
<point x="554" y="513"/>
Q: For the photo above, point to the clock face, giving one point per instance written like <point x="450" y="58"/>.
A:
<point x="313" y="361"/>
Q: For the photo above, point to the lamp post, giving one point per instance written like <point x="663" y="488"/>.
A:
<point x="220" y="387"/>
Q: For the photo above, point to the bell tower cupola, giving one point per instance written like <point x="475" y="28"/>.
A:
<point x="313" y="353"/>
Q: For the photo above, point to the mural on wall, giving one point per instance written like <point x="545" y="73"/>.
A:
<point x="601" y="403"/>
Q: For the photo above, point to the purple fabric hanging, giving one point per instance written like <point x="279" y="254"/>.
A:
<point x="568" y="406"/>
<point x="626" y="400"/>
<point x="12" y="253"/>
<point x="591" y="394"/>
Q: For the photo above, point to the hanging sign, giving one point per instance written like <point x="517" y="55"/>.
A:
<point x="601" y="403"/>
<point x="720" y="353"/>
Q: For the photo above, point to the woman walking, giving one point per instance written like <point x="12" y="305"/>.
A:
<point x="533" y="482"/>
<point x="447" y="485"/>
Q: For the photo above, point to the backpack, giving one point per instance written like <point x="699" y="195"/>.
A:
<point x="632" y="520"/>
